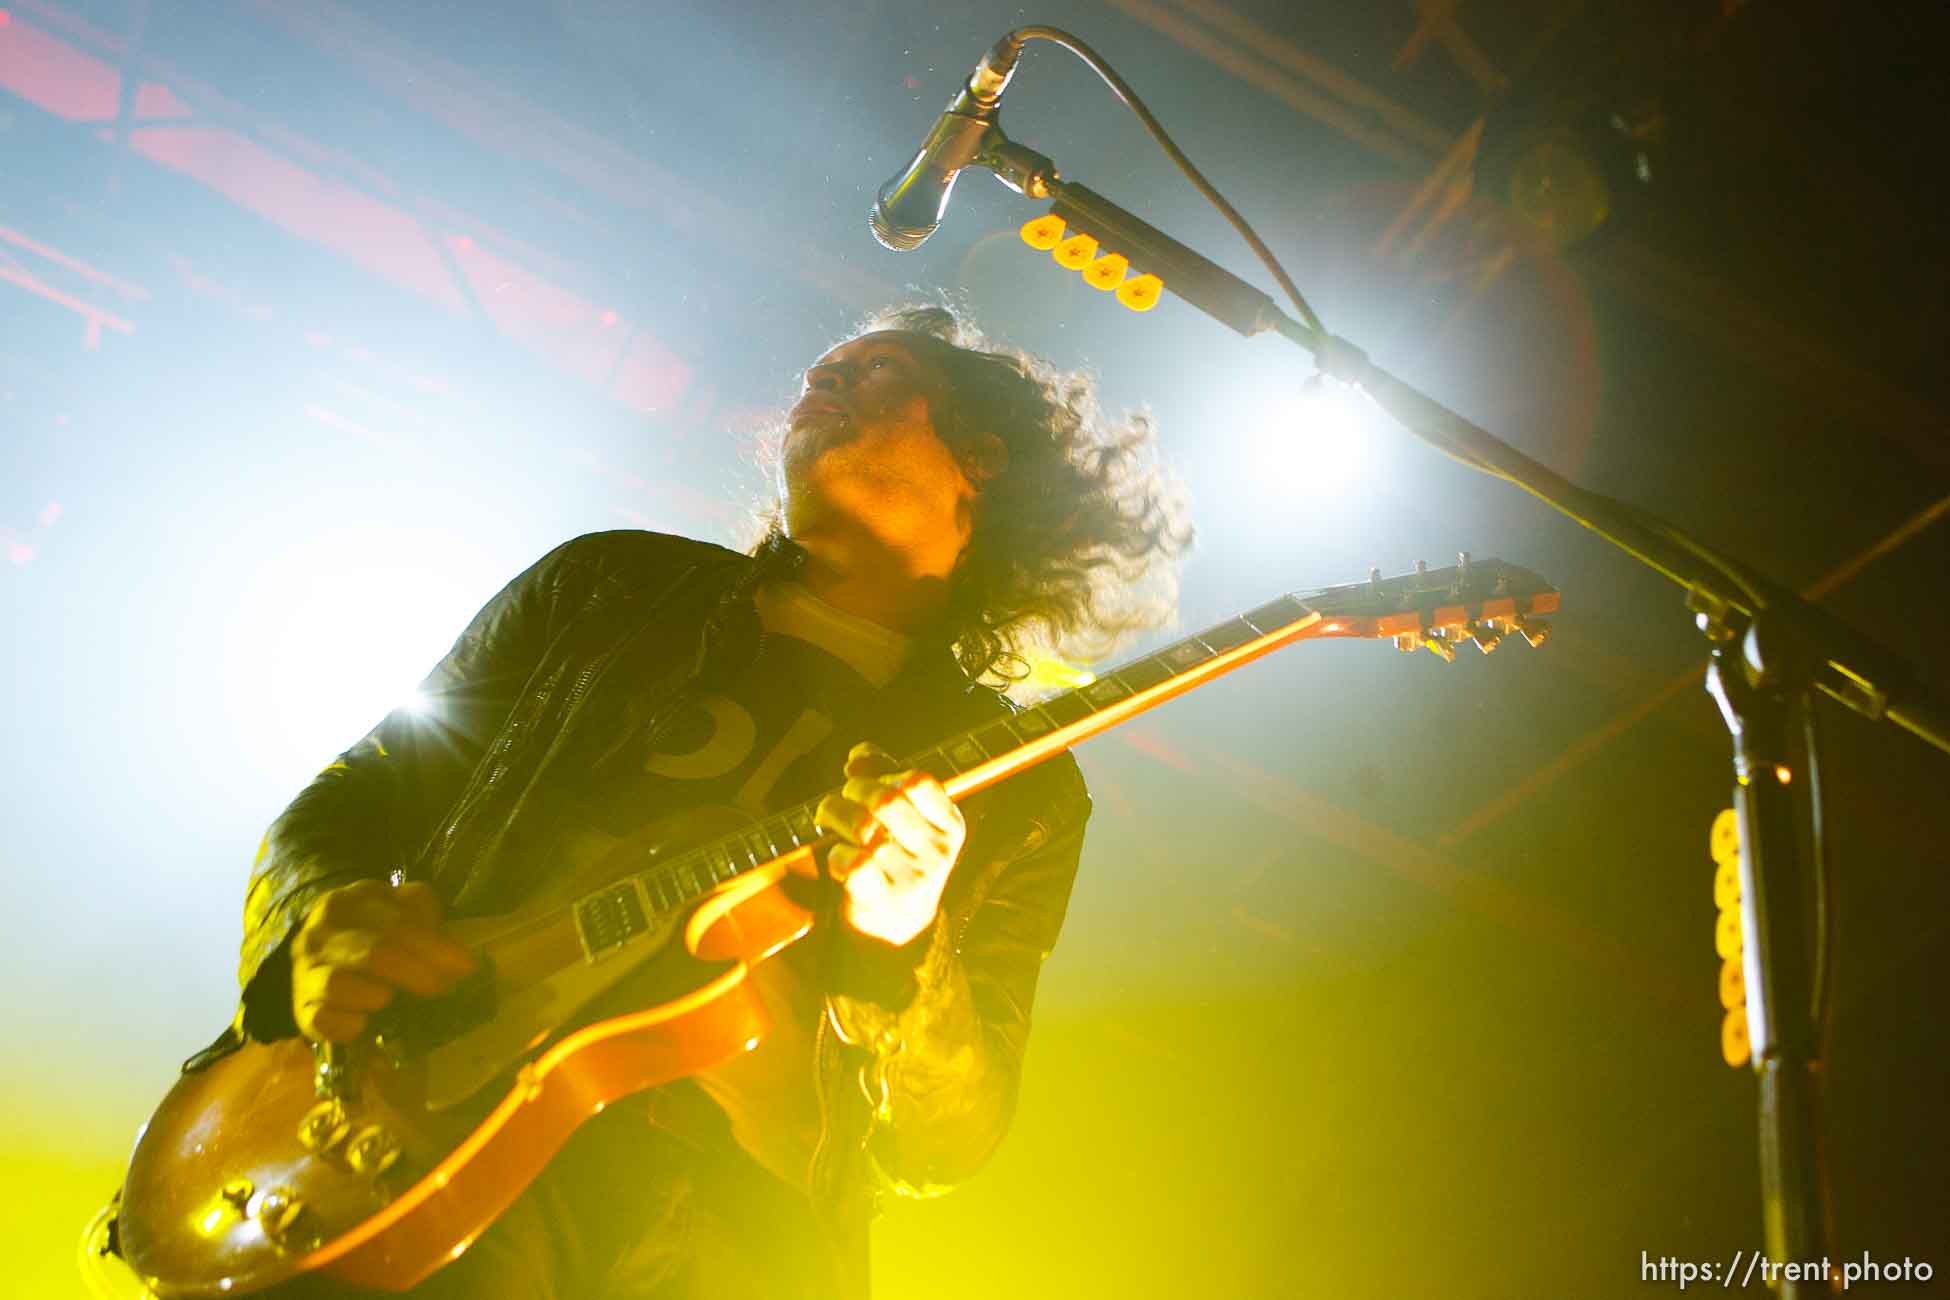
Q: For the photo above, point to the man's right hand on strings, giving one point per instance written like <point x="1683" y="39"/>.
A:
<point x="361" y="944"/>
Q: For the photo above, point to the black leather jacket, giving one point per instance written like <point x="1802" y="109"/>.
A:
<point x="917" y="1073"/>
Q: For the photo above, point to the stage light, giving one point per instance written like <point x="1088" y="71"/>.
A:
<point x="1295" y="451"/>
<point x="1327" y="436"/>
<point x="340" y="632"/>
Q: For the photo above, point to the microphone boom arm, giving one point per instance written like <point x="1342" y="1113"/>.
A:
<point x="1772" y="648"/>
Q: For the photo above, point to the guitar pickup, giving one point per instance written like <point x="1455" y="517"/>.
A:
<point x="611" y="917"/>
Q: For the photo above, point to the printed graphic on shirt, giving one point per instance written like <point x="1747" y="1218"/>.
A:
<point x="770" y="737"/>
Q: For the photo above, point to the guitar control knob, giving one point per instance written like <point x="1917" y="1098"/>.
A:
<point x="324" y="1126"/>
<point x="278" y="1213"/>
<point x="372" y="1151"/>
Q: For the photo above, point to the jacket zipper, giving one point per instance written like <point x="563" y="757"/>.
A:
<point x="471" y="813"/>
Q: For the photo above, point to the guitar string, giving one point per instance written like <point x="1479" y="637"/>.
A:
<point x="699" y="857"/>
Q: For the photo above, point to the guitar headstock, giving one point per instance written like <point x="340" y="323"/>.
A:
<point x="1475" y="601"/>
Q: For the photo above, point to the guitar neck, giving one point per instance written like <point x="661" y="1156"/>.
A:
<point x="1433" y="608"/>
<point x="984" y="755"/>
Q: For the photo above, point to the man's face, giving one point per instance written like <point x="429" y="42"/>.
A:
<point x="861" y="443"/>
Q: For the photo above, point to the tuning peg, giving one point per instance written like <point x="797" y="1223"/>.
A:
<point x="1534" y="631"/>
<point x="1044" y="233"/>
<point x="1107" y="272"/>
<point x="1141" y="292"/>
<point x="1075" y="253"/>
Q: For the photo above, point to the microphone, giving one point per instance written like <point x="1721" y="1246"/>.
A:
<point x="910" y="206"/>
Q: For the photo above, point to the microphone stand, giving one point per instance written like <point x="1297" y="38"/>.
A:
<point x="1770" y="650"/>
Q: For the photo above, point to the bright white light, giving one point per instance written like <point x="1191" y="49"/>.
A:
<point x="366" y="635"/>
<point x="1299" y="447"/>
<point x="1325" y="436"/>
<point x="337" y="632"/>
<point x="1286" y="456"/>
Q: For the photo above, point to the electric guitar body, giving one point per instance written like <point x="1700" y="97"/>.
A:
<point x="381" y="1162"/>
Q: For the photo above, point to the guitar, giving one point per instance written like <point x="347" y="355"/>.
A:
<point x="378" y="1161"/>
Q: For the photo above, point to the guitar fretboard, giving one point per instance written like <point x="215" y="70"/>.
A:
<point x="1427" y="604"/>
<point x="1009" y="744"/>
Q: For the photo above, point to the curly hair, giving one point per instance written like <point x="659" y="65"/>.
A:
<point x="1073" y="545"/>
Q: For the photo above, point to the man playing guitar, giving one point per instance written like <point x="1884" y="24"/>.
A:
<point x="941" y="505"/>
